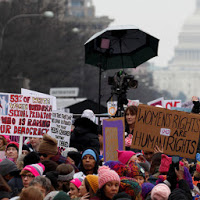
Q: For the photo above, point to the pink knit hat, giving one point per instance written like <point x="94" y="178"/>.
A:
<point x="105" y="174"/>
<point x="35" y="169"/>
<point x="76" y="182"/>
<point x="165" y="163"/>
<point x="124" y="156"/>
<point x="160" y="191"/>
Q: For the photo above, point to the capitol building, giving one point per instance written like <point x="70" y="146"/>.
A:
<point x="182" y="75"/>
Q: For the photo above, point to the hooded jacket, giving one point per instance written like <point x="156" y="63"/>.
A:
<point x="85" y="135"/>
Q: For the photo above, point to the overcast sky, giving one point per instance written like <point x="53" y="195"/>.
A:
<point x="160" y="18"/>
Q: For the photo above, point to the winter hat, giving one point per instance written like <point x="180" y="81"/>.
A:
<point x="13" y="144"/>
<point x="7" y="167"/>
<point x="161" y="179"/>
<point x="89" y="152"/>
<point x="51" y="195"/>
<point x="160" y="191"/>
<point x="105" y="175"/>
<point x="136" y="169"/>
<point x="35" y="169"/>
<point x="165" y="163"/>
<point x="25" y="147"/>
<point x="31" y="158"/>
<point x="93" y="181"/>
<point x="75" y="156"/>
<point x="124" y="156"/>
<point x="48" y="145"/>
<point x="122" y="196"/>
<point x="120" y="168"/>
<point x="130" y="186"/>
<point x="61" y="196"/>
<point x="7" y="137"/>
<point x="146" y="188"/>
<point x="67" y="150"/>
<point x="77" y="182"/>
<point x="89" y="114"/>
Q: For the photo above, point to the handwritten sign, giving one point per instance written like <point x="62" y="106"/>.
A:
<point x="178" y="132"/>
<point x="61" y="127"/>
<point x="113" y="137"/>
<point x="24" y="115"/>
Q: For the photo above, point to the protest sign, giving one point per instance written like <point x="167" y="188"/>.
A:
<point x="133" y="102"/>
<point x="33" y="93"/>
<point x="113" y="137"/>
<point x="172" y="103"/>
<point x="178" y="132"/>
<point x="61" y="127"/>
<point x="24" y="115"/>
<point x="159" y="102"/>
<point x="112" y="107"/>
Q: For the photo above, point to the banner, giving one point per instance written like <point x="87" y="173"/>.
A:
<point x="172" y="103"/>
<point x="113" y="137"/>
<point x="33" y="93"/>
<point x="178" y="132"/>
<point x="159" y="101"/>
<point x="61" y="127"/>
<point x="27" y="115"/>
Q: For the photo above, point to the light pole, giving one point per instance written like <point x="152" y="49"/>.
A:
<point x="48" y="14"/>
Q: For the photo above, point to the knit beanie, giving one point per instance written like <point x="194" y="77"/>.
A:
<point x="146" y="188"/>
<point x="122" y="196"/>
<point x="120" y="168"/>
<point x="130" y="186"/>
<point x="89" y="152"/>
<point x="35" y="169"/>
<point x="160" y="191"/>
<point x="7" y="167"/>
<point x="136" y="169"/>
<point x="61" y="196"/>
<point x="105" y="175"/>
<point x="165" y="163"/>
<point x="77" y="182"/>
<point x="48" y="145"/>
<point x="67" y="150"/>
<point x="89" y="114"/>
<point x="13" y="144"/>
<point x="124" y="156"/>
<point x="93" y="181"/>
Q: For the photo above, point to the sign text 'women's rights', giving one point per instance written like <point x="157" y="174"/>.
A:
<point x="30" y="116"/>
<point x="178" y="132"/>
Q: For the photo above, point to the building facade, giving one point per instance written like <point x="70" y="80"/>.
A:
<point x="181" y="76"/>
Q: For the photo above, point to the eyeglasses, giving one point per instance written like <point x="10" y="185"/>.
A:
<point x="43" y="154"/>
<point x="27" y="176"/>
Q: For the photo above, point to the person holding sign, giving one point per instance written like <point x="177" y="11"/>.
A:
<point x="130" y="117"/>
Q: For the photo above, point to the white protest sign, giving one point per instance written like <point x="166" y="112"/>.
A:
<point x="61" y="127"/>
<point x="112" y="107"/>
<point x="159" y="101"/>
<point x="133" y="102"/>
<point x="172" y="103"/>
<point x="24" y="115"/>
<point x="27" y="92"/>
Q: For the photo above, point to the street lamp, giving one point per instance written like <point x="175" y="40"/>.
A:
<point x="48" y="14"/>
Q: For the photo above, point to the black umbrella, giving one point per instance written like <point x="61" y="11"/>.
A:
<point x="119" y="47"/>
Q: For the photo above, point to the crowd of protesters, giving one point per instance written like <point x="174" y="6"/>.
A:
<point x="43" y="172"/>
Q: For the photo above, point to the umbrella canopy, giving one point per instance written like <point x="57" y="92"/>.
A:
<point x="120" y="47"/>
